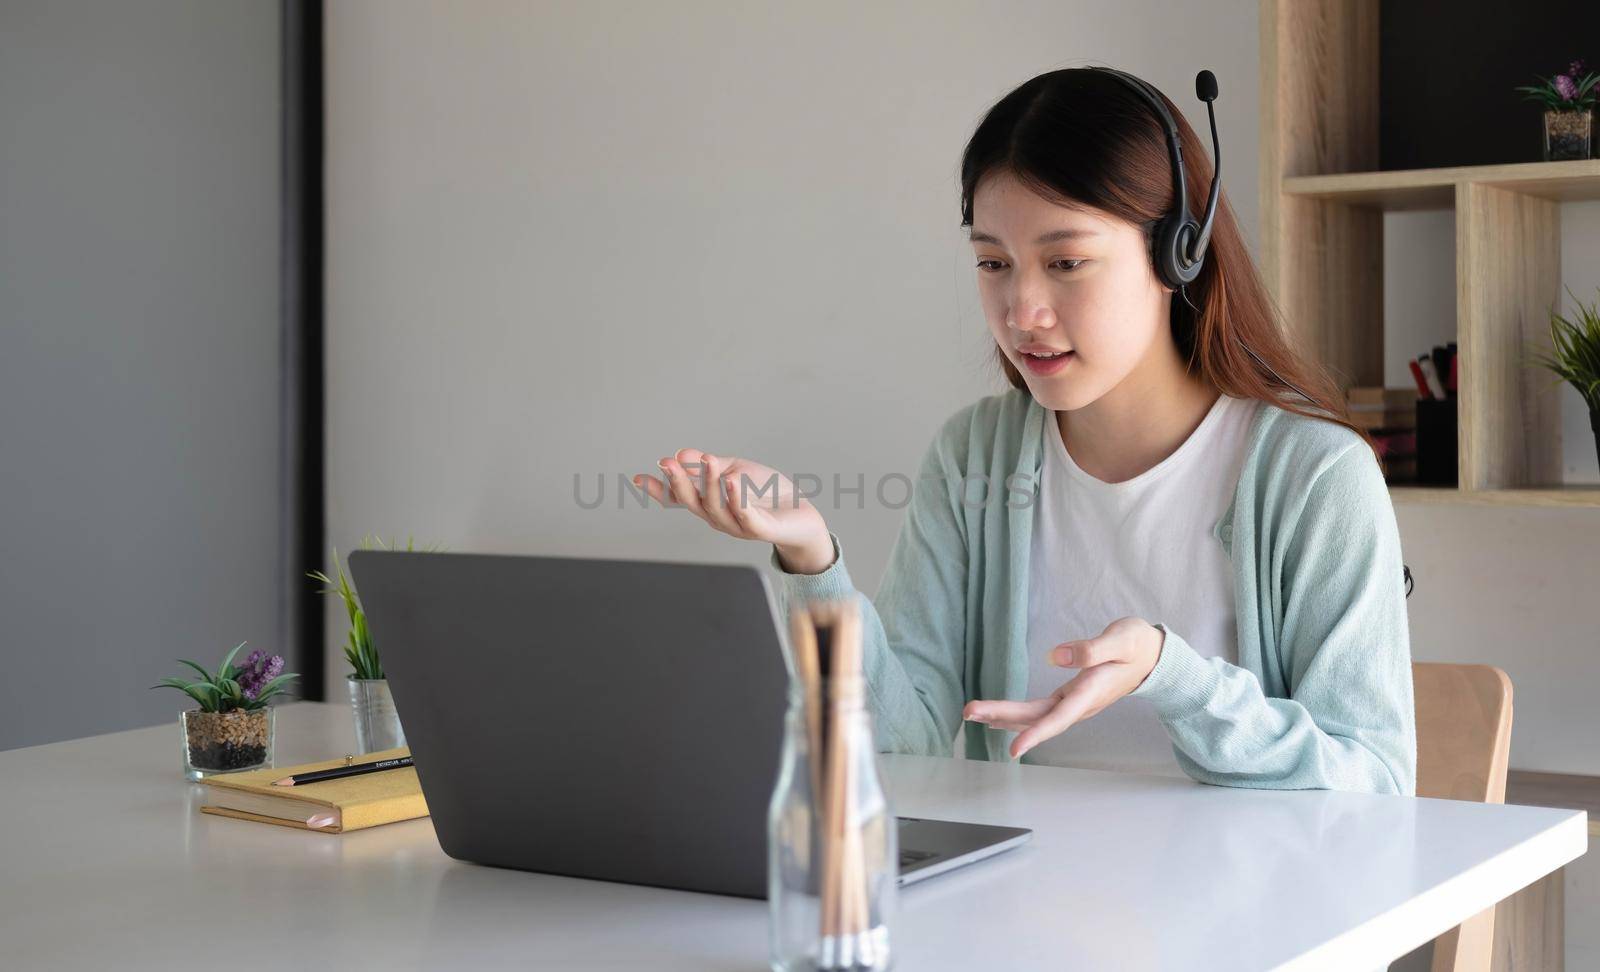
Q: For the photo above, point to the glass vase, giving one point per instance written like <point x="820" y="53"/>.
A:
<point x="857" y="936"/>
<point x="1567" y="135"/>
<point x="226" y="742"/>
<point x="377" y="721"/>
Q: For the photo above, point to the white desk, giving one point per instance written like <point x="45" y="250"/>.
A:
<point x="105" y="861"/>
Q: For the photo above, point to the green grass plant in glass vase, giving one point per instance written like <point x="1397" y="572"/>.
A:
<point x="376" y="720"/>
<point x="1574" y="356"/>
<point x="233" y="727"/>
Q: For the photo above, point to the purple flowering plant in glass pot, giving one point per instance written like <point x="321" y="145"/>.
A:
<point x="233" y="728"/>
<point x="1568" y="111"/>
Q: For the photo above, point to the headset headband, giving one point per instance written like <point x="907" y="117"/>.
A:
<point x="1180" y="242"/>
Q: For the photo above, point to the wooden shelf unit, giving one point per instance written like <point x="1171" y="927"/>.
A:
<point x="1437" y="189"/>
<point x="1564" y="496"/>
<point x="1322" y="206"/>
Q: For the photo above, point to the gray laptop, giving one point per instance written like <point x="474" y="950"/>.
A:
<point x="611" y="719"/>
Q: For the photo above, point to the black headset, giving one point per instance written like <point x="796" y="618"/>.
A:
<point x="1178" y="243"/>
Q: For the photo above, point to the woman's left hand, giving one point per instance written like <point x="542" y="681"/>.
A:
<point x="1113" y="663"/>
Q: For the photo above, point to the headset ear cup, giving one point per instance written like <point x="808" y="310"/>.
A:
<point x="1176" y="236"/>
<point x="1168" y="265"/>
<point x="1186" y="238"/>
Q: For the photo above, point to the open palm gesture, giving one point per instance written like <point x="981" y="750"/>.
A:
<point x="1111" y="664"/>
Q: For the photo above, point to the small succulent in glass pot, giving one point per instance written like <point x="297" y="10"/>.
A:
<point x="1568" y="100"/>
<point x="233" y="728"/>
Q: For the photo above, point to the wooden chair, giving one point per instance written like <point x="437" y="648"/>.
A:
<point x="1463" y="745"/>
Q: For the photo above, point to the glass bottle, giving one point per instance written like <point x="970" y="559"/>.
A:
<point x="856" y="937"/>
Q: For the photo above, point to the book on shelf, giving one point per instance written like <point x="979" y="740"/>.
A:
<point x="1372" y="397"/>
<point x="1372" y="408"/>
<point x="1383" y="421"/>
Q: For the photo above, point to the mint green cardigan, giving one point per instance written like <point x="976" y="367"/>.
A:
<point x="1322" y="695"/>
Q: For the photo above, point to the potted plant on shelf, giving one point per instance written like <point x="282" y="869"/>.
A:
<point x="233" y="728"/>
<point x="1568" y="99"/>
<point x="1575" y="357"/>
<point x="377" y="721"/>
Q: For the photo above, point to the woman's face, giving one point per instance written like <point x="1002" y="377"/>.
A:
<point x="1060" y="279"/>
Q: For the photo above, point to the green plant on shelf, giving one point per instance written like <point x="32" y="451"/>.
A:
<point x="1575" y="354"/>
<point x="233" y="687"/>
<point x="358" y="648"/>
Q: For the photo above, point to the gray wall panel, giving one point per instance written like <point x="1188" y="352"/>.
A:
<point x="139" y="343"/>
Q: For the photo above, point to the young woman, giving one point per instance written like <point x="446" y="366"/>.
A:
<point x="1167" y="501"/>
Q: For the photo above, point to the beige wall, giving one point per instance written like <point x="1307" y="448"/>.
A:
<point x="574" y="238"/>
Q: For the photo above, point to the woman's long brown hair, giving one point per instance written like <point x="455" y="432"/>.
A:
<point x="1078" y="136"/>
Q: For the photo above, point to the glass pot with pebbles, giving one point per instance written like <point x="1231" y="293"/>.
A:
<point x="232" y="730"/>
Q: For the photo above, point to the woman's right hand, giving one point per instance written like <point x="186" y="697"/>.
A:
<point x="747" y="500"/>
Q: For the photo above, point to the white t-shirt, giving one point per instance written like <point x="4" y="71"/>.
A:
<point x="1140" y="548"/>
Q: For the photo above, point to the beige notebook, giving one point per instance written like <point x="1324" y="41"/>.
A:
<point x="332" y="806"/>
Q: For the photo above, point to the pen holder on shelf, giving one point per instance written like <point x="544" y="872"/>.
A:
<point x="1437" y="442"/>
<point x="832" y="841"/>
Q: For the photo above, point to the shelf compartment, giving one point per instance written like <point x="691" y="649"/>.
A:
<point x="1508" y="263"/>
<point x="1420" y="189"/>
